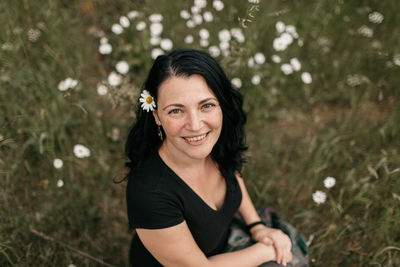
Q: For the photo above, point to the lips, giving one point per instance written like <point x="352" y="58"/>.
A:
<point x="195" y="139"/>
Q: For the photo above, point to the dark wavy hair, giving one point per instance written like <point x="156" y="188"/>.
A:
<point x="143" y="136"/>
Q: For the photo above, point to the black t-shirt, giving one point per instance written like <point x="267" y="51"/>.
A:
<point x="157" y="198"/>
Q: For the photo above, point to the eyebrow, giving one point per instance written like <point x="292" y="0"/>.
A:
<point x="181" y="105"/>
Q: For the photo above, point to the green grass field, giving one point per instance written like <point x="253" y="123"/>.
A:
<point x="345" y="123"/>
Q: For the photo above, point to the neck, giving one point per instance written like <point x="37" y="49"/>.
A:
<point x="175" y="158"/>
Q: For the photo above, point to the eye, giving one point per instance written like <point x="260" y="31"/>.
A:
<point x="208" y="106"/>
<point x="174" y="111"/>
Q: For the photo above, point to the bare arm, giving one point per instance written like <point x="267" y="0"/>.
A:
<point x="261" y="233"/>
<point x="175" y="246"/>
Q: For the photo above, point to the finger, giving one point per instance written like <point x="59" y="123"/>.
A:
<point x="278" y="255"/>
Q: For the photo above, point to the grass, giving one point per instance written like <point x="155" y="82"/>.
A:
<point x="297" y="134"/>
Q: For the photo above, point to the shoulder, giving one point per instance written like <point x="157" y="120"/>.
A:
<point x="151" y="201"/>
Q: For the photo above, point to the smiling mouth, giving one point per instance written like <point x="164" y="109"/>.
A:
<point x="196" y="138"/>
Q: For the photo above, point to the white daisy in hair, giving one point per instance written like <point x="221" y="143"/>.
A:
<point x="147" y="101"/>
<point x="319" y="197"/>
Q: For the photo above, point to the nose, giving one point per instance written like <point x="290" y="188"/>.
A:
<point x="194" y="121"/>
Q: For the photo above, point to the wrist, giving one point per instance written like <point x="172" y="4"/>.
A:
<point x="253" y="225"/>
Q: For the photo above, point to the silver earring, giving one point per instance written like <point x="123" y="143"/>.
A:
<point x="160" y="133"/>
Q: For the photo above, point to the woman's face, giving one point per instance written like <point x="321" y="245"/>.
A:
<point x="190" y="115"/>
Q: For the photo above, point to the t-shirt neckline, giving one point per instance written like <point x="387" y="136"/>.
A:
<point x="191" y="190"/>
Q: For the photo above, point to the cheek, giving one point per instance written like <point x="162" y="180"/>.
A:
<point x="172" y="127"/>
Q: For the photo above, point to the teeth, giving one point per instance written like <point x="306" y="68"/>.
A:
<point x="197" y="138"/>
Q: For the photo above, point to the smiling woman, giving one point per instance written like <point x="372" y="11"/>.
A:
<point x="184" y="185"/>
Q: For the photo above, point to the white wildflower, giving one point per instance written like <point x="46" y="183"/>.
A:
<point x="329" y="182"/>
<point x="200" y="3"/>
<point x="190" y="23"/>
<point x="306" y="77"/>
<point x="166" y="44"/>
<point x="224" y="35"/>
<point x="396" y="59"/>
<point x="124" y="22"/>
<point x="105" y="49"/>
<point x="103" y="40"/>
<point x="7" y="46"/>
<point x="291" y="29"/>
<point x="256" y="79"/>
<point x="280" y="26"/>
<point x="237" y="33"/>
<point x="375" y="17"/>
<point x="204" y="34"/>
<point x="214" y="51"/>
<point x="155" y="40"/>
<point x="208" y="16"/>
<point x="189" y="39"/>
<point x="60" y="183"/>
<point x="33" y="35"/>
<point x="195" y="9"/>
<point x="365" y="31"/>
<point x="259" y="58"/>
<point x="197" y="19"/>
<point x="319" y="197"/>
<point x="141" y="25"/>
<point x="155" y="18"/>
<point x="185" y="14"/>
<point x="114" y="79"/>
<point x="62" y="86"/>
<point x="250" y="62"/>
<point x="295" y="64"/>
<point x="279" y="44"/>
<point x="236" y="82"/>
<point x="156" y="52"/>
<point x="218" y="5"/>
<point x="224" y="46"/>
<point x="58" y="163"/>
<point x="254" y="1"/>
<point x="287" y="38"/>
<point x="204" y="42"/>
<point x="117" y="29"/>
<point x="276" y="58"/>
<point x="102" y="89"/>
<point x="287" y="69"/>
<point x="133" y="14"/>
<point x="300" y="42"/>
<point x="122" y="67"/>
<point x="81" y="151"/>
<point x="156" y="29"/>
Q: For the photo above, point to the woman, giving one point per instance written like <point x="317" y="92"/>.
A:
<point x="184" y="186"/>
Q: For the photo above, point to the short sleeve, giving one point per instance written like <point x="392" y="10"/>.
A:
<point x="152" y="208"/>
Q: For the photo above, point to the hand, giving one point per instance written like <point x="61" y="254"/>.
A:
<point x="277" y="238"/>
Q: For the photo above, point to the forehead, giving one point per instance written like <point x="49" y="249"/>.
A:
<point x="183" y="89"/>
